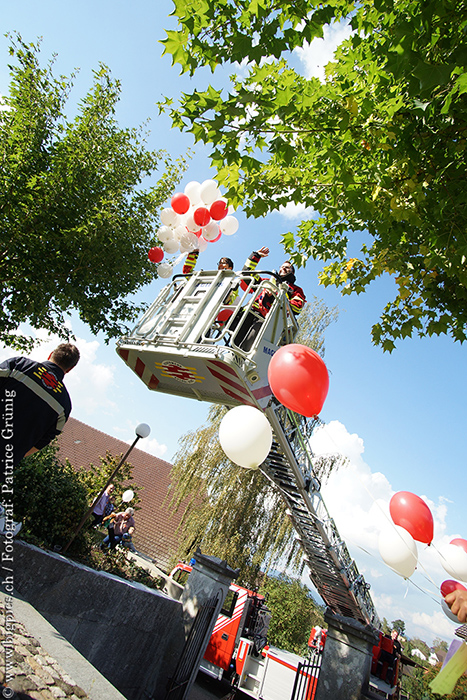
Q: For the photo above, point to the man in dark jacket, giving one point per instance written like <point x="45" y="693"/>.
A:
<point x="35" y="403"/>
<point x="34" y="409"/>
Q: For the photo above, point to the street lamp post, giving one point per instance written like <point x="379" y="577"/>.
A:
<point x="142" y="431"/>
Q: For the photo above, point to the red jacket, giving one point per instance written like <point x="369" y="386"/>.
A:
<point x="263" y="301"/>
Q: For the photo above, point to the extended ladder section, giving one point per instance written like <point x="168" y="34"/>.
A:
<point x="289" y="466"/>
<point x="203" y="338"/>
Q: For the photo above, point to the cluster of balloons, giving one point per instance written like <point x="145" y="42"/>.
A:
<point x="245" y="435"/>
<point x="197" y="216"/>
<point x="299" y="379"/>
<point x="413" y="522"/>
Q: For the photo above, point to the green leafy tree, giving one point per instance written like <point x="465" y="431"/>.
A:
<point x="421" y="646"/>
<point x="49" y="497"/>
<point x="72" y="203"/>
<point x="234" y="513"/>
<point x="398" y="625"/>
<point x="294" y="613"/>
<point x="377" y="150"/>
<point x="385" y="626"/>
<point x="439" y="645"/>
<point x="94" y="478"/>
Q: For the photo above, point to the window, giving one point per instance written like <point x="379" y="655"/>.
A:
<point x="229" y="603"/>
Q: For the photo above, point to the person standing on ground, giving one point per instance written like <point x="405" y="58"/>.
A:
<point x="35" y="406"/>
<point x="35" y="402"/>
<point x="99" y="510"/>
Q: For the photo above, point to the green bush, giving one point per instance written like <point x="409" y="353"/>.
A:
<point x="294" y="613"/>
<point x="49" y="498"/>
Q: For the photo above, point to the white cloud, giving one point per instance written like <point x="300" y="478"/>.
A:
<point x="316" y="55"/>
<point x="293" y="211"/>
<point x="358" y="500"/>
<point x="89" y="383"/>
<point x="436" y="625"/>
<point x="153" y="447"/>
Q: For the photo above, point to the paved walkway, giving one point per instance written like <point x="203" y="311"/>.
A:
<point x="37" y="662"/>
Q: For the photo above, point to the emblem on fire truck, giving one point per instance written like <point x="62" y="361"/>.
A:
<point x="187" y="375"/>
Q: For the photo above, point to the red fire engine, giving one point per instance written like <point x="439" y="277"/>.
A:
<point x="238" y="648"/>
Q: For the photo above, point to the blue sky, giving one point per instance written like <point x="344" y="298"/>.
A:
<point x="400" y="418"/>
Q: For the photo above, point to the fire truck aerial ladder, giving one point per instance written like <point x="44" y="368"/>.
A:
<point x="192" y="342"/>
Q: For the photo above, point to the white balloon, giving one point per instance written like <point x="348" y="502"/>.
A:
<point x="171" y="246"/>
<point x="245" y="436"/>
<point x="169" y="217"/>
<point x="202" y="244"/>
<point x="191" y="224"/>
<point x="179" y="232"/>
<point x="231" y="209"/>
<point x="448" y="613"/>
<point x="209" y="192"/>
<point x="164" y="233"/>
<point x="211" y="231"/>
<point x="454" y="561"/>
<point x="189" y="241"/>
<point x="398" y="550"/>
<point x="127" y="495"/>
<point x="164" y="270"/>
<point x="193" y="192"/>
<point x="229" y="225"/>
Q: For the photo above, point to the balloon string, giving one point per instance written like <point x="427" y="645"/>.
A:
<point x="409" y="580"/>
<point x="424" y="590"/>
<point x="324" y="426"/>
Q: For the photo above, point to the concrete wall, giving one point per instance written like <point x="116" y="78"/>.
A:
<point x="346" y="664"/>
<point x="132" y="634"/>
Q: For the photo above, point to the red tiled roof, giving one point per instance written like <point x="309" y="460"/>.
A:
<point x="155" y="533"/>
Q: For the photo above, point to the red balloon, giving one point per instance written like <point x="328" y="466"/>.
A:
<point x="213" y="240"/>
<point x="449" y="586"/>
<point x="218" y="209"/>
<point x="155" y="255"/>
<point x="412" y="513"/>
<point x="459" y="542"/>
<point x="202" y="216"/>
<point x="180" y="203"/>
<point x="299" y="379"/>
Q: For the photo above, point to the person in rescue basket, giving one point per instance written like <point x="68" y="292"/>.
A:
<point x="192" y="258"/>
<point x="263" y="302"/>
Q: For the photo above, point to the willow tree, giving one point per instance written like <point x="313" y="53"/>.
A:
<point x="233" y="513"/>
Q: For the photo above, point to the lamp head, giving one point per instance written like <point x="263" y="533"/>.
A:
<point x="142" y="430"/>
